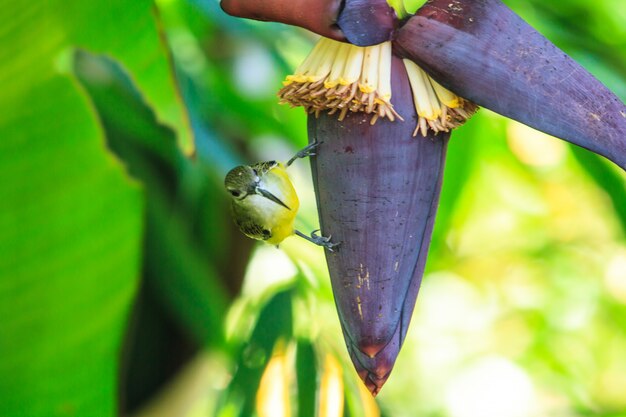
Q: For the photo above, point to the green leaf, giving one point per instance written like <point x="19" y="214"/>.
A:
<point x="459" y="163"/>
<point x="275" y="322"/>
<point x="307" y="378"/>
<point x="149" y="151"/>
<point x="129" y="32"/>
<point x="71" y="220"/>
<point x="607" y="178"/>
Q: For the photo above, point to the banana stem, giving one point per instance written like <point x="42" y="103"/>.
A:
<point x="405" y="8"/>
<point x="399" y="7"/>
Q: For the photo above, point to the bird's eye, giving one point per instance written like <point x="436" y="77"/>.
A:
<point x="235" y="193"/>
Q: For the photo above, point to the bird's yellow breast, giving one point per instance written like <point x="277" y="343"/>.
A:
<point x="282" y="221"/>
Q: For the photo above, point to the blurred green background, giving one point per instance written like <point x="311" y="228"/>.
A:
<point x="125" y="288"/>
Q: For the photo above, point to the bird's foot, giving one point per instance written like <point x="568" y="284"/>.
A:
<point x="323" y="241"/>
<point x="319" y="240"/>
<point x="303" y="153"/>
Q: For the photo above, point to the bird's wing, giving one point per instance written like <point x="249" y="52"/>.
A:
<point x="249" y="226"/>
<point x="262" y="168"/>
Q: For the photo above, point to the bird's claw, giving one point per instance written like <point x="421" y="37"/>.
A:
<point x="323" y="241"/>
<point x="309" y="150"/>
<point x="303" y="153"/>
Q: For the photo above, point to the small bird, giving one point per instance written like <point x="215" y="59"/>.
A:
<point x="265" y="203"/>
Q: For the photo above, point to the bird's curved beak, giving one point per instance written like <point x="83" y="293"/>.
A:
<point x="270" y="196"/>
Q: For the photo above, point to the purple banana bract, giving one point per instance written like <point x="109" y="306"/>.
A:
<point x="484" y="52"/>
<point x="377" y="191"/>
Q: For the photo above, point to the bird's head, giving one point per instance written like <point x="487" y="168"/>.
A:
<point x="241" y="181"/>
